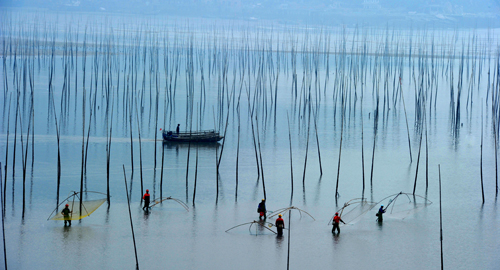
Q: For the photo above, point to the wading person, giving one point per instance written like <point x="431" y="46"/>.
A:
<point x="380" y="213"/>
<point x="280" y="225"/>
<point x="65" y="212"/>
<point x="261" y="209"/>
<point x="336" y="223"/>
<point x="146" y="200"/>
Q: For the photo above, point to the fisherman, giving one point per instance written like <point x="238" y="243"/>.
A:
<point x="262" y="209"/>
<point x="336" y="222"/>
<point x="280" y="225"/>
<point x="178" y="128"/>
<point x="65" y="212"/>
<point x="146" y="200"/>
<point x="379" y="214"/>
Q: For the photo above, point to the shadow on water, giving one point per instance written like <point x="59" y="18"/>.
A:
<point x="408" y="172"/>
<point x="215" y="218"/>
<point x="279" y="242"/>
<point x="66" y="230"/>
<point x="185" y="145"/>
<point x="426" y="200"/>
<point x="380" y="223"/>
<point x="256" y="189"/>
<point x="221" y="188"/>
<point x="371" y="194"/>
<point x="195" y="222"/>
<point x="31" y="188"/>
<point x="318" y="189"/>
<point x="259" y="228"/>
<point x="106" y="219"/>
<point x="145" y="216"/>
<point x="336" y="238"/>
<point x="304" y="195"/>
<point x="481" y="214"/>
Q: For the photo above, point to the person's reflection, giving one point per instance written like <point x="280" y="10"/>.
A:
<point x="260" y="225"/>
<point x="380" y="223"/>
<point x="279" y="241"/>
<point x="336" y="238"/>
<point x="66" y="230"/>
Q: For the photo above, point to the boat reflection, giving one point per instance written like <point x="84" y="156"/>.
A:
<point x="184" y="145"/>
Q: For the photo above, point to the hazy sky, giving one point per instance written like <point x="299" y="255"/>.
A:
<point x="333" y="12"/>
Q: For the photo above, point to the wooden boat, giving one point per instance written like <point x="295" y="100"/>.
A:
<point x="194" y="136"/>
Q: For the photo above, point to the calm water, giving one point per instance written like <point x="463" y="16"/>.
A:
<point x="170" y="237"/>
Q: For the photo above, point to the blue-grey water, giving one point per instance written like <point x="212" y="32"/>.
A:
<point x="171" y="237"/>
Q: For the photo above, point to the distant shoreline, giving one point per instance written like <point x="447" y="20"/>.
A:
<point x="291" y="16"/>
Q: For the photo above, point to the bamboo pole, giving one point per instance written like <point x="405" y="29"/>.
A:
<point x="253" y="135"/>
<point x="130" y="216"/>
<point x="317" y="142"/>
<point x="289" y="229"/>
<point x="108" y="158"/>
<point x="362" y="149"/>
<point x="418" y="162"/>
<point x="406" y="117"/>
<point x="426" y="155"/>
<point x="260" y="156"/>
<point x="291" y="161"/>
<point x="58" y="154"/>
<point x="307" y="148"/>
<point x="140" y="144"/>
<point x="481" y="162"/>
<point x="237" y="152"/>
<point x="2" y="199"/>
<point x="196" y="164"/>
<point x="6" y="152"/>
<point x="342" y="120"/>
<point x="440" y="218"/>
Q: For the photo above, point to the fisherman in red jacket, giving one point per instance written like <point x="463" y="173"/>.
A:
<point x="146" y="200"/>
<point x="280" y="225"/>
<point x="336" y="222"/>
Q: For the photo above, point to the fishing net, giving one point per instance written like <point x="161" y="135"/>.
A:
<point x="162" y="199"/>
<point x="353" y="211"/>
<point x="261" y="227"/>
<point x="285" y="211"/>
<point x="403" y="205"/>
<point x="88" y="207"/>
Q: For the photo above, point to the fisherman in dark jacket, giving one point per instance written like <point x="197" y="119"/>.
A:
<point x="380" y="213"/>
<point x="262" y="209"/>
<point x="146" y="199"/>
<point x="178" y="129"/>
<point x="336" y="222"/>
<point x="280" y="225"/>
<point x="66" y="214"/>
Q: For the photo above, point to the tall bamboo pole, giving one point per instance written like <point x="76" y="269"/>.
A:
<point x="481" y="162"/>
<point x="3" y="217"/>
<point x="130" y="216"/>
<point x="440" y="218"/>
<point x="291" y="160"/>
